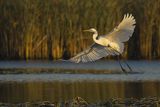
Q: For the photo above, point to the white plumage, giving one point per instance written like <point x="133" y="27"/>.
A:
<point x="110" y="44"/>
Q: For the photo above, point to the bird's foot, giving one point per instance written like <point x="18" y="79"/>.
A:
<point x="124" y="71"/>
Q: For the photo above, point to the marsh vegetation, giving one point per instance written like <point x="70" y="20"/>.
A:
<point x="52" y="29"/>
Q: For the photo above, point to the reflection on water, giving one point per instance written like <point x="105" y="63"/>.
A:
<point x="40" y="81"/>
<point x="91" y="91"/>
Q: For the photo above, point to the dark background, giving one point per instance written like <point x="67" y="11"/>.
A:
<point x="52" y="29"/>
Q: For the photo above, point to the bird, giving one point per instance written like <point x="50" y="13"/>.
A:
<point x="108" y="44"/>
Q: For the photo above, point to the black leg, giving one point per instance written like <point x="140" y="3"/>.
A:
<point x="121" y="65"/>
<point x="115" y="51"/>
<point x="127" y="64"/>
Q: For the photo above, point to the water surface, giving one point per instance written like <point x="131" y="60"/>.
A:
<point x="59" y="81"/>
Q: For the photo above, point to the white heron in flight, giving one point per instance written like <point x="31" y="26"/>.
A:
<point x="109" y="44"/>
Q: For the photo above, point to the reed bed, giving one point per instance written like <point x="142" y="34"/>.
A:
<point x="52" y="29"/>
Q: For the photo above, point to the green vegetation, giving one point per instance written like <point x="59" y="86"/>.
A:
<point x="52" y="29"/>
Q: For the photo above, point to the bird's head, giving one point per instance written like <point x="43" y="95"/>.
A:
<point x="91" y="30"/>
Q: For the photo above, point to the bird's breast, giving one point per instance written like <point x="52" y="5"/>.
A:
<point x="106" y="42"/>
<point x="103" y="41"/>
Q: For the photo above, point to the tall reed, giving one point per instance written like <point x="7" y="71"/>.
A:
<point x="52" y="29"/>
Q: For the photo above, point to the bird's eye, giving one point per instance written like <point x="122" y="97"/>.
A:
<point x="97" y="37"/>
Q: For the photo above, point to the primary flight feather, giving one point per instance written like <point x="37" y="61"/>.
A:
<point x="110" y="44"/>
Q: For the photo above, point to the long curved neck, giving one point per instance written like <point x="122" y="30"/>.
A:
<point x="95" y="35"/>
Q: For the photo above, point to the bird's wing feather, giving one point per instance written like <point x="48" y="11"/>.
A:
<point x="124" y="30"/>
<point x="93" y="53"/>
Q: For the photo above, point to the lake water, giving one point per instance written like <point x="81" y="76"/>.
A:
<point x="33" y="81"/>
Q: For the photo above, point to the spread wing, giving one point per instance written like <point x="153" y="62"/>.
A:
<point x="93" y="53"/>
<point x="124" y="30"/>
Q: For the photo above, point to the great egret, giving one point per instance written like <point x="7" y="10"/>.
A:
<point x="109" y="44"/>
